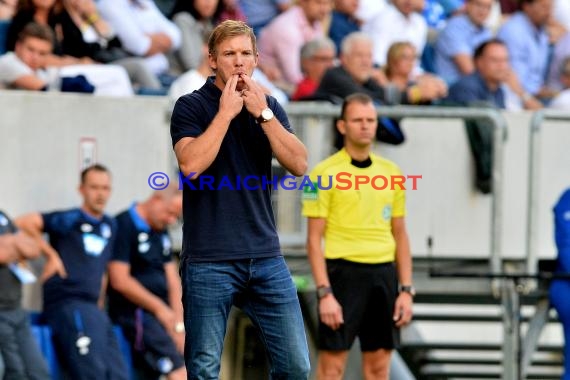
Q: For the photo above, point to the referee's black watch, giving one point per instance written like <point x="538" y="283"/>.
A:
<point x="323" y="291"/>
<point x="408" y="289"/>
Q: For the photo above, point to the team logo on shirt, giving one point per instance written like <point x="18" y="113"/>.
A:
<point x="311" y="192"/>
<point x="566" y="216"/>
<point x="166" y="245"/>
<point x="143" y="236"/>
<point x="105" y="230"/>
<point x="387" y="212"/>
<point x="86" y="228"/>
<point x="144" y="245"/>
<point x="3" y="220"/>
<point x="93" y="244"/>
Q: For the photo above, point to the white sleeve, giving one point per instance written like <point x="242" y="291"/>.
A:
<point x="378" y="32"/>
<point x="167" y="26"/>
<point x="118" y="14"/>
<point x="11" y="68"/>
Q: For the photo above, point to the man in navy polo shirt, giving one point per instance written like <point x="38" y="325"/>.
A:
<point x="490" y="81"/>
<point x="145" y="294"/>
<point x="230" y="129"/>
<point x="83" y="238"/>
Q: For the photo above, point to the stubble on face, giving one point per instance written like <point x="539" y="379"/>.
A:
<point x="233" y="56"/>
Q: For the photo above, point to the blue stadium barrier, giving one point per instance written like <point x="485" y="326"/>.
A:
<point x="42" y="334"/>
<point x="125" y="348"/>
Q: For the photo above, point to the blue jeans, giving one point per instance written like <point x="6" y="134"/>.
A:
<point x="264" y="290"/>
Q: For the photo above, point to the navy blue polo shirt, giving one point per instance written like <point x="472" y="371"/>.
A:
<point x="472" y="88"/>
<point x="146" y="251"/>
<point x="341" y="26"/>
<point x="11" y="293"/>
<point x="227" y="222"/>
<point x="84" y="244"/>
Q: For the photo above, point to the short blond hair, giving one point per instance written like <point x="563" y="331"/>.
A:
<point x="229" y="29"/>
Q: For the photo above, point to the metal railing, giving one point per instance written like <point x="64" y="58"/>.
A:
<point x="534" y="160"/>
<point x="301" y="112"/>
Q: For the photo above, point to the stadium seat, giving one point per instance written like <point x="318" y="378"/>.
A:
<point x="125" y="349"/>
<point x="42" y="333"/>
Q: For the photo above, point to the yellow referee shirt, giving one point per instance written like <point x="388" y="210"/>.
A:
<point x="358" y="204"/>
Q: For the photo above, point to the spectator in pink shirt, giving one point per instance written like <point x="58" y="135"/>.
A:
<point x="280" y="42"/>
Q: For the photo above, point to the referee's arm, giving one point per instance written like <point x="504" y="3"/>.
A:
<point x="330" y="311"/>
<point x="403" y="307"/>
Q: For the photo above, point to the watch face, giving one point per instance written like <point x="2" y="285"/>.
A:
<point x="409" y="289"/>
<point x="267" y="114"/>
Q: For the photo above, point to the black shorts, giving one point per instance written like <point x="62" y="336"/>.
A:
<point x="367" y="293"/>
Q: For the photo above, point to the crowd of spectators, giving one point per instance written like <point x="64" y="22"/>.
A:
<point x="420" y="48"/>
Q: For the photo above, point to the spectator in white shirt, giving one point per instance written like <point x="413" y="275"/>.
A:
<point x="399" y="21"/>
<point x="24" y="68"/>
<point x="143" y="30"/>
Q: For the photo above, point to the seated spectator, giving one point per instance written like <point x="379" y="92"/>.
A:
<point x="317" y="56"/>
<point x="259" y="13"/>
<point x="145" y="293"/>
<point x="85" y="34"/>
<point x="192" y="18"/>
<point x="20" y="352"/>
<point x="343" y="20"/>
<point x="492" y="80"/>
<point x="456" y="43"/>
<point x="355" y="74"/>
<point x="25" y="67"/>
<point x="562" y="100"/>
<point x="400" y="66"/>
<point x="8" y="9"/>
<point x="108" y="80"/>
<point x="526" y="38"/>
<point x="280" y="42"/>
<point x="399" y="21"/>
<point x="143" y="31"/>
